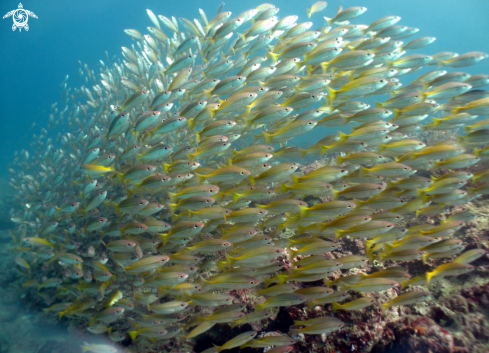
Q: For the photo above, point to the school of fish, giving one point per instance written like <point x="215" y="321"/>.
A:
<point x="179" y="180"/>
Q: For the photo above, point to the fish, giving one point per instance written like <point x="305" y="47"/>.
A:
<point x="324" y="327"/>
<point x="371" y="285"/>
<point x="237" y="341"/>
<point x="407" y="298"/>
<point x="98" y="348"/>
<point x="285" y="299"/>
<point x="316" y="7"/>
<point x="346" y="14"/>
<point x="188" y="174"/>
<point x="356" y="304"/>
<point x="449" y="269"/>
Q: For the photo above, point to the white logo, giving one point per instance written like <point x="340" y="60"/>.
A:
<point x="20" y="17"/>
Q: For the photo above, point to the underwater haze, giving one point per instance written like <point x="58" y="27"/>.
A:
<point x="178" y="178"/>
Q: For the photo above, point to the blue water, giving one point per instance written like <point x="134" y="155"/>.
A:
<point x="34" y="63"/>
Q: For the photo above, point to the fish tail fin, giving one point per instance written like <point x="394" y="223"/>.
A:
<point x="370" y="254"/>
<point x="252" y="180"/>
<point x="236" y="196"/>
<point x="230" y="260"/>
<point x="418" y="212"/>
<point x="456" y="110"/>
<point x="203" y="282"/>
<point x="437" y="122"/>
<point x="302" y="211"/>
<point x="191" y="123"/>
<point x="369" y="243"/>
<point x="328" y="282"/>
<point x="384" y="307"/>
<point x="197" y="134"/>
<point x="283" y="188"/>
<point x="340" y="159"/>
<point x="338" y="233"/>
<point x="133" y="335"/>
<point x="172" y="208"/>
<point x="218" y="348"/>
<point x="191" y="156"/>
<point x="388" y="247"/>
<point x="323" y="150"/>
<point x="248" y="122"/>
<point x="255" y="138"/>
<point x="425" y="258"/>
<point x="267" y="137"/>
<point x="273" y="56"/>
<point x="221" y="265"/>
<point x="336" y="306"/>
<point x="422" y="195"/>
<point x="120" y="177"/>
<point x="201" y="178"/>
<point x="260" y="307"/>
<point x="404" y="284"/>
<point x="332" y="92"/>
<point x="309" y="13"/>
<point x="61" y="314"/>
<point x="363" y="171"/>
<point x="282" y="278"/>
<point x="310" y="70"/>
<point x="172" y="197"/>
<point x="269" y="281"/>
<point x="164" y="237"/>
<point x="429" y="275"/>
<point x="324" y="66"/>
<point x="379" y="104"/>
<point x="297" y="89"/>
<point x="328" y="20"/>
<point x="343" y="136"/>
<point x="301" y="229"/>
<point x="166" y="167"/>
